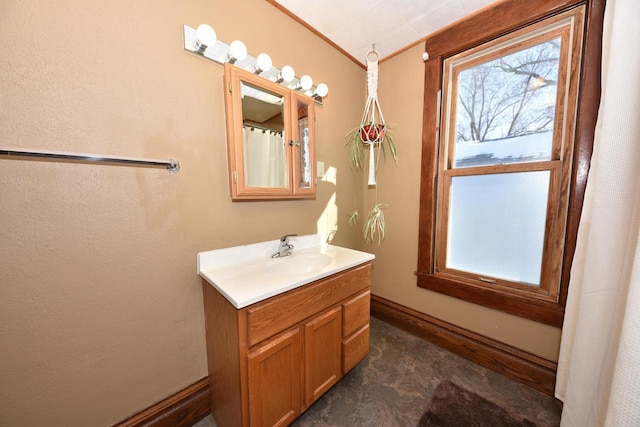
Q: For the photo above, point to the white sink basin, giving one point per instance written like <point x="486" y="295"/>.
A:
<point x="247" y="274"/>
<point x="299" y="263"/>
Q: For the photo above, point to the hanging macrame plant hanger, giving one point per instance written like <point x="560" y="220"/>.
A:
<point x="374" y="133"/>
<point x="372" y="125"/>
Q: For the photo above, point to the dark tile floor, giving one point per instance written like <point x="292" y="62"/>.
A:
<point x="393" y="385"/>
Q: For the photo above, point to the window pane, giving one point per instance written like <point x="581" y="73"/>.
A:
<point x="496" y="225"/>
<point x="505" y="108"/>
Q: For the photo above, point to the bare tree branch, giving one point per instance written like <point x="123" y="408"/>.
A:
<point x="508" y="96"/>
<point x="519" y="71"/>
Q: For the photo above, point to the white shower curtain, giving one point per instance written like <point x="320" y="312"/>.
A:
<point x="599" y="364"/>
<point x="264" y="160"/>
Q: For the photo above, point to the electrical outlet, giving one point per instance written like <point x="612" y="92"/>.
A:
<point x="320" y="169"/>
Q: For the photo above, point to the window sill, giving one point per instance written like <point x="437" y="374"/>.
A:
<point x="548" y="312"/>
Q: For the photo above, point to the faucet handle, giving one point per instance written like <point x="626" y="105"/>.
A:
<point x="285" y="238"/>
<point x="285" y="248"/>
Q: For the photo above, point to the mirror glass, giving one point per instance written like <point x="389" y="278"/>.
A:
<point x="263" y="138"/>
<point x="304" y="145"/>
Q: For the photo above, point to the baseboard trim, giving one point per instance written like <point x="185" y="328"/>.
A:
<point x="191" y="404"/>
<point x="182" y="409"/>
<point x="526" y="368"/>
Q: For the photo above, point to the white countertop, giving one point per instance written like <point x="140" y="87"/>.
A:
<point x="247" y="274"/>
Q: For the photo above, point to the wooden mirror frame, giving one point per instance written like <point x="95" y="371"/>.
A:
<point x="296" y="186"/>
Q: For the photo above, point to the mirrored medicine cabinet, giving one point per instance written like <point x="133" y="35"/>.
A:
<point x="270" y="138"/>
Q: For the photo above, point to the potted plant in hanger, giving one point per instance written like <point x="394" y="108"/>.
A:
<point x="376" y="134"/>
<point x="373" y="133"/>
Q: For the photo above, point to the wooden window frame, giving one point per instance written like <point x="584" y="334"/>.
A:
<point x="568" y="27"/>
<point x="547" y="305"/>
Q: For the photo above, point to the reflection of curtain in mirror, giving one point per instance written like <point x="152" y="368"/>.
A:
<point x="264" y="158"/>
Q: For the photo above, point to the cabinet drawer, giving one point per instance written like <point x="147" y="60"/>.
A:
<point x="355" y="313"/>
<point x="269" y="317"/>
<point x="355" y="348"/>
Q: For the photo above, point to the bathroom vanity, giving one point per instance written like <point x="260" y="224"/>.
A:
<point x="281" y="331"/>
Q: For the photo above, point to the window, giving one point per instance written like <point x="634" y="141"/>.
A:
<point x="496" y="189"/>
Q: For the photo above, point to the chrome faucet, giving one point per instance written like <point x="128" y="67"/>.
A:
<point x="285" y="248"/>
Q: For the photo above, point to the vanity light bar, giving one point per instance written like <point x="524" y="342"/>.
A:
<point x="219" y="52"/>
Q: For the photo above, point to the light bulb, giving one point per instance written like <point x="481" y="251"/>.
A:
<point x="306" y="82"/>
<point x="288" y="73"/>
<point x="237" y="51"/>
<point x="322" y="90"/>
<point x="205" y="37"/>
<point x="263" y="63"/>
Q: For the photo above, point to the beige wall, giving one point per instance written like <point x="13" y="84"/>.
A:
<point x="393" y="277"/>
<point x="100" y="304"/>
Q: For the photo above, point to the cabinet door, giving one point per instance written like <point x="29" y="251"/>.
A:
<point x="304" y="160"/>
<point x="275" y="381"/>
<point x="322" y="349"/>
<point x="270" y="138"/>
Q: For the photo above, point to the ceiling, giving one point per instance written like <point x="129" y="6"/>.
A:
<point x="355" y="25"/>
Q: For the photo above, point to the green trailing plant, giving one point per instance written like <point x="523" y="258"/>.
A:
<point x="356" y="150"/>
<point x="353" y="218"/>
<point x="375" y="224"/>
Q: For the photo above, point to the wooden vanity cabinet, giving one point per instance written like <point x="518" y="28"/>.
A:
<point x="270" y="361"/>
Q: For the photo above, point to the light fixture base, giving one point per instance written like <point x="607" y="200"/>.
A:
<point x="218" y="52"/>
